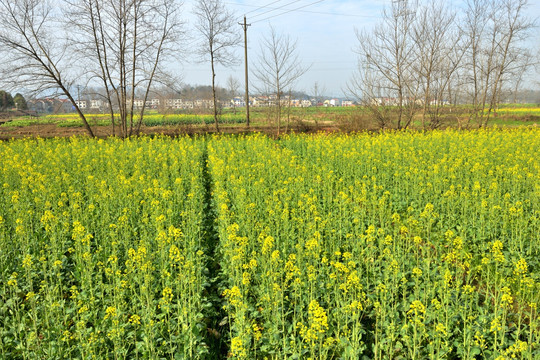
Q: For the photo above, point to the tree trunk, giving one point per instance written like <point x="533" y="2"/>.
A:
<point x="79" y="112"/>
<point x="214" y="89"/>
<point x="288" y="114"/>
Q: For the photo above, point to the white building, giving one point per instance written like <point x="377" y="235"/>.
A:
<point x="174" y="103"/>
<point x="82" y="104"/>
<point x="306" y="103"/>
<point x="96" y="104"/>
<point x="238" y="102"/>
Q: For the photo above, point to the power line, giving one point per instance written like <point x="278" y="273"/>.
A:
<point x="261" y="7"/>
<point x="288" y="11"/>
<point x="278" y="8"/>
<point x="305" y="11"/>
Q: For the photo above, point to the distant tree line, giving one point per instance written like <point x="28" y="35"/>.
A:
<point x="425" y="55"/>
<point x="9" y="102"/>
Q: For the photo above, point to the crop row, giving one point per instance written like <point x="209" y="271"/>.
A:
<point x="101" y="249"/>
<point x="389" y="246"/>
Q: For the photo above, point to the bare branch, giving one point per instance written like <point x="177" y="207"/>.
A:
<point x="278" y="67"/>
<point x="33" y="57"/>
<point x="219" y="36"/>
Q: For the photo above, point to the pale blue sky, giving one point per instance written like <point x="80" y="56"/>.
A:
<point x="325" y="35"/>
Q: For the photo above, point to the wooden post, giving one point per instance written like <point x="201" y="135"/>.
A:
<point x="245" y="26"/>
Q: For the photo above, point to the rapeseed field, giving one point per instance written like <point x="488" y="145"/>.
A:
<point x="399" y="245"/>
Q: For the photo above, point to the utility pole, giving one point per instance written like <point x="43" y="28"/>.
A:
<point x="245" y="26"/>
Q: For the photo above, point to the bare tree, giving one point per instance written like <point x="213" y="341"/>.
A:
<point x="536" y="66"/>
<point x="516" y="76"/>
<point x="219" y="33"/>
<point x="439" y="53"/>
<point x="495" y="29"/>
<point x="124" y="44"/>
<point x="278" y="68"/>
<point x="232" y="86"/>
<point x="512" y="31"/>
<point x="33" y="54"/>
<point x="386" y="74"/>
<point x="365" y="87"/>
<point x="474" y="26"/>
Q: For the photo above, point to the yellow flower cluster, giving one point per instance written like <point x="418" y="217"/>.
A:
<point x="416" y="311"/>
<point x="318" y="323"/>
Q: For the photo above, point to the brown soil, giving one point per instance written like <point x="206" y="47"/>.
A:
<point x="52" y="131"/>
